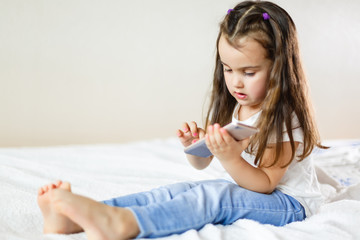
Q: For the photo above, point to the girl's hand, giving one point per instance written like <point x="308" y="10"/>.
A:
<point x="222" y="144"/>
<point x="190" y="133"/>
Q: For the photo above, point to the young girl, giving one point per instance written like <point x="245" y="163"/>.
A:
<point x="258" y="80"/>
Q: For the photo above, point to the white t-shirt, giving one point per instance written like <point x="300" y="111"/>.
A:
<point x="300" y="180"/>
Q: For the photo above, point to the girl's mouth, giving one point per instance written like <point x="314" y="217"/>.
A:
<point x="240" y="95"/>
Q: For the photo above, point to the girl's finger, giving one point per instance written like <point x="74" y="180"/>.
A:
<point x="185" y="127"/>
<point x="179" y="133"/>
<point x="226" y="136"/>
<point x="217" y="135"/>
<point x="194" y="129"/>
<point x="201" y="133"/>
<point x="207" y="141"/>
<point x="210" y="130"/>
<point x="211" y="137"/>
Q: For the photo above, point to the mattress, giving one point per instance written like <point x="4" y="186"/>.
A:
<point x="110" y="170"/>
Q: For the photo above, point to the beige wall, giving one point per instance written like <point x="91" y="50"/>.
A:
<point x="84" y="71"/>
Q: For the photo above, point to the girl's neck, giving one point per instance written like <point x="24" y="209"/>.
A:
<point x="246" y="112"/>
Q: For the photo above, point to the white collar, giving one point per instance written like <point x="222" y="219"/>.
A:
<point x="250" y="121"/>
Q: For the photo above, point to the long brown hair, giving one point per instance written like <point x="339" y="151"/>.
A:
<point x="287" y="90"/>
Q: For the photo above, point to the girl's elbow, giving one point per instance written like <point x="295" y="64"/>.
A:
<point x="198" y="167"/>
<point x="266" y="190"/>
<point x="199" y="163"/>
<point x="270" y="189"/>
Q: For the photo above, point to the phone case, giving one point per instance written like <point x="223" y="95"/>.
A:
<point x="238" y="131"/>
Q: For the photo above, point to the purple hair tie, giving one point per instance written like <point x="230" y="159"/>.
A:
<point x="229" y="11"/>
<point x="266" y="16"/>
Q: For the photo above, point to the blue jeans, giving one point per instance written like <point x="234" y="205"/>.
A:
<point x="180" y="207"/>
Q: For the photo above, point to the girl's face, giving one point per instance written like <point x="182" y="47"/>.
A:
<point x="246" y="70"/>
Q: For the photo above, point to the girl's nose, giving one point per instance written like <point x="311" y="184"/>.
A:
<point x="238" y="80"/>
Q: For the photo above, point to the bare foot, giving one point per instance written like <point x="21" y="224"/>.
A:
<point x="55" y="222"/>
<point x="99" y="221"/>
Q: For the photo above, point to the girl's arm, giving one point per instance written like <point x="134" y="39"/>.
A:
<point x="199" y="162"/>
<point x="228" y="151"/>
<point x="189" y="134"/>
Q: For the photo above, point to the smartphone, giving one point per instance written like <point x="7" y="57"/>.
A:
<point x="238" y="131"/>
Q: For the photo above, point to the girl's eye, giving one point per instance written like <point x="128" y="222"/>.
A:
<point x="250" y="74"/>
<point x="227" y="70"/>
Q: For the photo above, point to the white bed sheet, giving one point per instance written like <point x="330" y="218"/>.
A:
<point x="105" y="171"/>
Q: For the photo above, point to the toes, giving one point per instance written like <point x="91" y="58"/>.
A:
<point x="58" y="183"/>
<point x="46" y="188"/>
<point x="40" y="191"/>
<point x="66" y="186"/>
